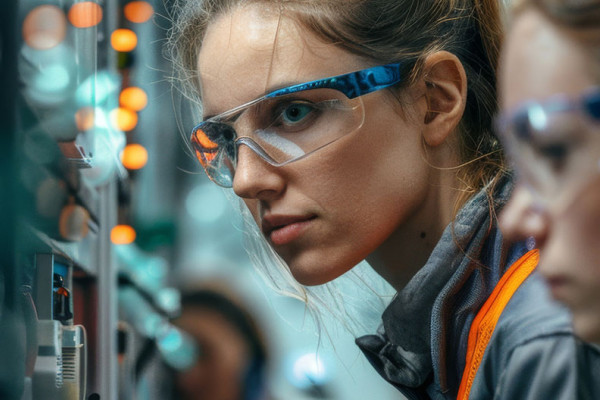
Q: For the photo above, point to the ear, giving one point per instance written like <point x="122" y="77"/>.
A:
<point x="446" y="96"/>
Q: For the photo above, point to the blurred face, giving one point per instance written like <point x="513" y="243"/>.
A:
<point x="540" y="62"/>
<point x="224" y="355"/>
<point x="326" y="212"/>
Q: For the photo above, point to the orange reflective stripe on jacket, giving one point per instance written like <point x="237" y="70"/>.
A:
<point x="485" y="322"/>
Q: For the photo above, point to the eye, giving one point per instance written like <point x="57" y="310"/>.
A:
<point x="555" y="150"/>
<point x="295" y="113"/>
<point x="223" y="133"/>
<point x="555" y="154"/>
<point x="522" y="126"/>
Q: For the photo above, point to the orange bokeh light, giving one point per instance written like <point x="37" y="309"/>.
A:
<point x="123" y="119"/>
<point x="134" y="156"/>
<point x="44" y="27"/>
<point x="133" y="98"/>
<point x="138" y="11"/>
<point x="85" y="118"/>
<point x="85" y="14"/>
<point x="123" y="40"/>
<point x="122" y="234"/>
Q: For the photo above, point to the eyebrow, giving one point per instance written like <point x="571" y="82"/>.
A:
<point x="269" y="90"/>
<point x="353" y="84"/>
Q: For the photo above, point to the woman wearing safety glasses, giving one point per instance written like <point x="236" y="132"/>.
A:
<point x="551" y="93"/>
<point x="362" y="129"/>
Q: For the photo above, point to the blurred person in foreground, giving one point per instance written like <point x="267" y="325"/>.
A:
<point x="550" y="92"/>
<point x="232" y="362"/>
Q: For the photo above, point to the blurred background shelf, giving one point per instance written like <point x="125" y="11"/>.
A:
<point x="82" y="254"/>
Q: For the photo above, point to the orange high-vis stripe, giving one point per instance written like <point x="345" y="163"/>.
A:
<point x="485" y="322"/>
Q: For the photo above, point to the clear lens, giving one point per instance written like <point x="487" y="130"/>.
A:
<point x="556" y="149"/>
<point x="280" y="129"/>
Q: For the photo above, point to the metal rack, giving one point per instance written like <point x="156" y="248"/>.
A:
<point x="58" y="278"/>
<point x="69" y="326"/>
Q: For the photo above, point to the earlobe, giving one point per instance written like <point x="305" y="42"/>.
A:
<point x="446" y="96"/>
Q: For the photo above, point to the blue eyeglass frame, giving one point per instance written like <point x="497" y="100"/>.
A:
<point x="588" y="102"/>
<point x="352" y="85"/>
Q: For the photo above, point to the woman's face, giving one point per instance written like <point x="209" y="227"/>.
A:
<point x="325" y="213"/>
<point x="541" y="61"/>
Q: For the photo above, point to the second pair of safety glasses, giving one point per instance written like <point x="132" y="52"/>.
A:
<point x="289" y="124"/>
<point x="555" y="145"/>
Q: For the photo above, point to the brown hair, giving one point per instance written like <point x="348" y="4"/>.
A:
<point x="577" y="14"/>
<point x="388" y="31"/>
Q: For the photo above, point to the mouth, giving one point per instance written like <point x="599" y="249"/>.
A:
<point x="283" y="229"/>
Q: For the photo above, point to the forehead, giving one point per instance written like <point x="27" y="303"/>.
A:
<point x="254" y="49"/>
<point x="539" y="60"/>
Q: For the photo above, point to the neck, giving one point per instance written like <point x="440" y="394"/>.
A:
<point x="407" y="250"/>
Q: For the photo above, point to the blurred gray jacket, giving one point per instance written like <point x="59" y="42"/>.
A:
<point x="421" y="346"/>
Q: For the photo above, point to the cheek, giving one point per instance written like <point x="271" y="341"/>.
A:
<point x="391" y="163"/>
<point x="385" y="149"/>
<point x="573" y="249"/>
<point x="378" y="179"/>
<point x="381" y="163"/>
<point x="582" y="222"/>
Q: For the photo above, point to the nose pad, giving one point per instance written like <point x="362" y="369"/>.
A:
<point x="254" y="177"/>
<point x="524" y="218"/>
<point x="256" y="148"/>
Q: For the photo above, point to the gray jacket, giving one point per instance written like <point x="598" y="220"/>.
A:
<point x="421" y="345"/>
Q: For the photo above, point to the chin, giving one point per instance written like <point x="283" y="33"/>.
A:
<point x="310" y="279"/>
<point x="314" y="276"/>
<point x="312" y="268"/>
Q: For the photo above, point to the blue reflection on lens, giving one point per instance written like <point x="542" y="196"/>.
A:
<point x="537" y="117"/>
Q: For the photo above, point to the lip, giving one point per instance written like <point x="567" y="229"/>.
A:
<point x="283" y="229"/>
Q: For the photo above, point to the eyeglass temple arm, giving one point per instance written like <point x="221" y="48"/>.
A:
<point x="353" y="84"/>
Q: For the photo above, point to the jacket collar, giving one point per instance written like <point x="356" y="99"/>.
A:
<point x="411" y="342"/>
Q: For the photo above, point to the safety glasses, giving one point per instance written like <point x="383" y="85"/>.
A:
<point x="288" y="124"/>
<point x="554" y="144"/>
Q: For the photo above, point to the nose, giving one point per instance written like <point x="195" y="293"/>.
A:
<point x="255" y="178"/>
<point x="523" y="217"/>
